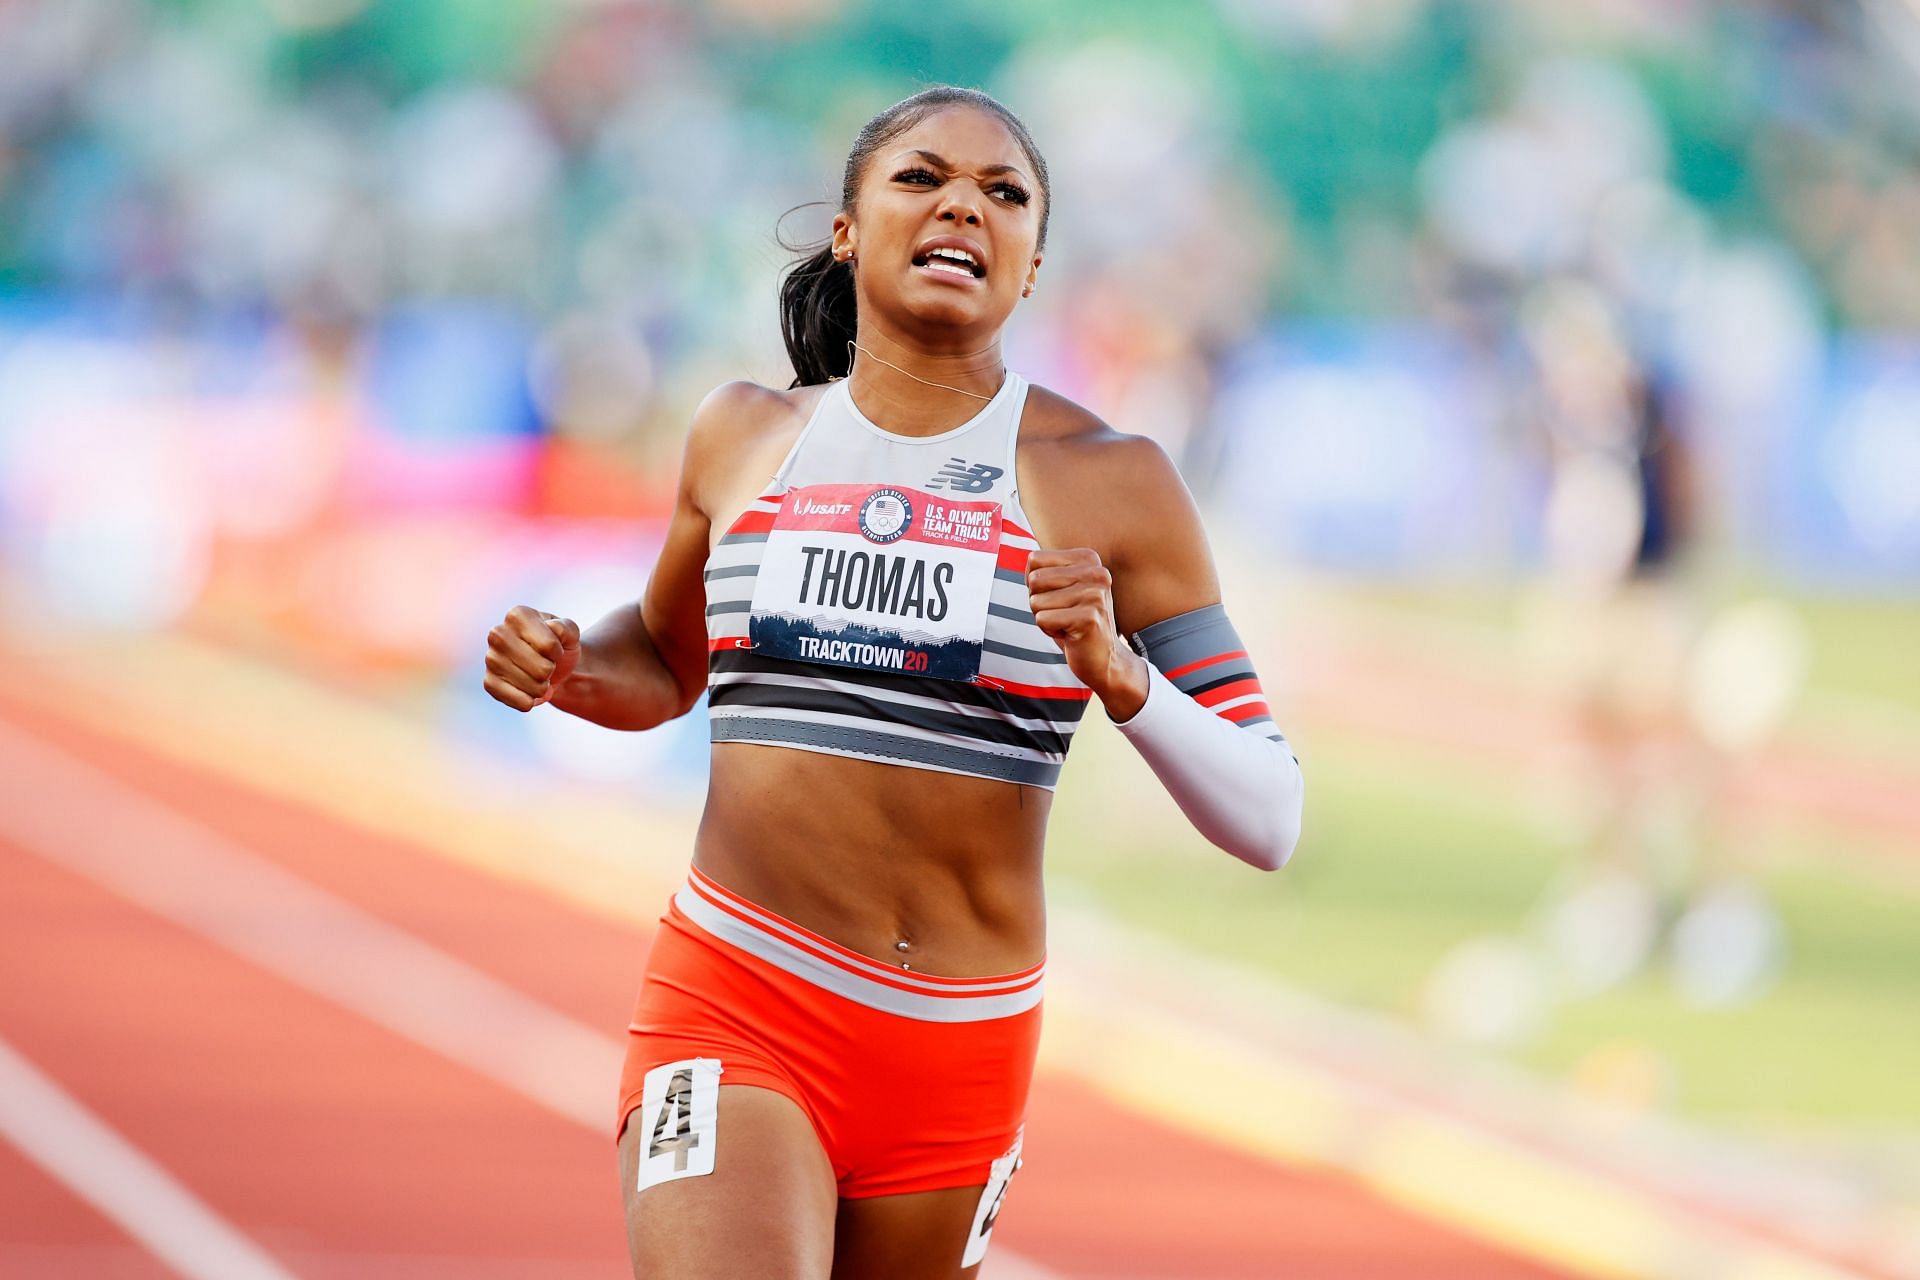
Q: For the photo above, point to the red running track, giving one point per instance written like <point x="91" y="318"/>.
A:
<point x="343" y="1149"/>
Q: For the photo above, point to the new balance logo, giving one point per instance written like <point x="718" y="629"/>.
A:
<point x="964" y="477"/>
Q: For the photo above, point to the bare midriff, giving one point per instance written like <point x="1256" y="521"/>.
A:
<point x="934" y="872"/>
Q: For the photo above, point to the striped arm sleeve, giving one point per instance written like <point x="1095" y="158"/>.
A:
<point x="1201" y="654"/>
<point x="1208" y="734"/>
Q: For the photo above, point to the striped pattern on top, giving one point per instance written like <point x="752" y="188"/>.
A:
<point x="1201" y="654"/>
<point x="1013" y="724"/>
<point x="846" y="972"/>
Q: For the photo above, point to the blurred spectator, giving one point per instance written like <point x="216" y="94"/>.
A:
<point x="500" y="251"/>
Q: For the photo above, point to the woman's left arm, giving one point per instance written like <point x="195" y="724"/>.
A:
<point x="1184" y="691"/>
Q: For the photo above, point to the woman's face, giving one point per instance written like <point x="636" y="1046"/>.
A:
<point x="957" y="182"/>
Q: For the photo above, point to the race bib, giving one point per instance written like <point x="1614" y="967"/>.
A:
<point x="992" y="1197"/>
<point x="880" y="577"/>
<point x="679" y="1114"/>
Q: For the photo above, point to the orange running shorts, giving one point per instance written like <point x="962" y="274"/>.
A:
<point x="913" y="1082"/>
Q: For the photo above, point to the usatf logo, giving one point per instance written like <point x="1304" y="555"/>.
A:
<point x="965" y="477"/>
<point x="884" y="515"/>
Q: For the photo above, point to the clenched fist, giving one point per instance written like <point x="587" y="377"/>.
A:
<point x="529" y="656"/>
<point x="1071" y="595"/>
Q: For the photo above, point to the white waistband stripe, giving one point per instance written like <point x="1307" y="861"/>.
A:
<point x="865" y="981"/>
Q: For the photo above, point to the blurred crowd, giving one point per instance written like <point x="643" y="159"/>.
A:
<point x="308" y="308"/>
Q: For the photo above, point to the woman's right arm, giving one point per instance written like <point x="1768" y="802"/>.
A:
<point x="646" y="662"/>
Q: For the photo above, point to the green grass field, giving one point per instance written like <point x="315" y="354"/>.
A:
<point x="1859" y="647"/>
<point x="1405" y="857"/>
<point x="1865" y="649"/>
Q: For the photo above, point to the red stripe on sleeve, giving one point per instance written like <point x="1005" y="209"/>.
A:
<point x="1228" y="692"/>
<point x="1246" y="711"/>
<point x="1177" y="672"/>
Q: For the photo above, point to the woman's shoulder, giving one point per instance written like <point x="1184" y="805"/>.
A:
<point x="740" y="419"/>
<point x="737" y="412"/>
<point x="1084" y="484"/>
<point x="1057" y="432"/>
<point x="739" y="432"/>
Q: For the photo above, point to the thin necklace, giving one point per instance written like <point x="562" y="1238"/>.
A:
<point x="943" y="386"/>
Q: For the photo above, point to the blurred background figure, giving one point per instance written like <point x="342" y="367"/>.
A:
<point x="1549" y="376"/>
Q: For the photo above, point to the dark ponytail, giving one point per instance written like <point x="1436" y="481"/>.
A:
<point x="818" y="311"/>
<point x="817" y="316"/>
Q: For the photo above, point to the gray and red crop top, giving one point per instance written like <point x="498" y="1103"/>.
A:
<point x="872" y="602"/>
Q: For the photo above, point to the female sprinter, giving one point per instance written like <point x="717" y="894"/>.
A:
<point x="901" y="579"/>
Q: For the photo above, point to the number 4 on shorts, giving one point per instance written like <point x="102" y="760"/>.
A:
<point x="680" y="1108"/>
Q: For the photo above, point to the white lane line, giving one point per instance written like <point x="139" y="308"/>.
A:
<point x="115" y="1177"/>
<point x="71" y="813"/>
<point x="77" y="816"/>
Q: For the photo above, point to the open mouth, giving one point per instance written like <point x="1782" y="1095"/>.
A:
<point x="957" y="262"/>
